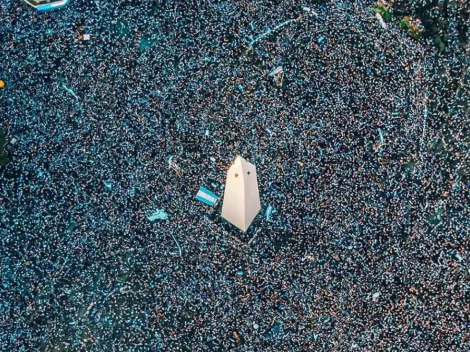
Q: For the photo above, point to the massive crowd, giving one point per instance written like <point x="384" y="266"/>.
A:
<point x="367" y="249"/>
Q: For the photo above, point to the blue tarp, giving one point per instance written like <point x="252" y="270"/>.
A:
<point x="160" y="214"/>
<point x="52" y="6"/>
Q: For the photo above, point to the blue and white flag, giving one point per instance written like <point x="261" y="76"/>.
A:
<point x="206" y="196"/>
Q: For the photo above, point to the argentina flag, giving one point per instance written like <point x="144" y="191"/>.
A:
<point x="206" y="196"/>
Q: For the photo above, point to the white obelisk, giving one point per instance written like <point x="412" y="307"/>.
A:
<point x="241" y="196"/>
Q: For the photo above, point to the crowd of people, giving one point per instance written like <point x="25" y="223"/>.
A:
<point x="367" y="246"/>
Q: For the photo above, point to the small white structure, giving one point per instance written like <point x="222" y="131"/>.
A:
<point x="241" y="196"/>
<point x="86" y="37"/>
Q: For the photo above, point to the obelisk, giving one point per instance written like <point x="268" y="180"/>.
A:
<point x="241" y="197"/>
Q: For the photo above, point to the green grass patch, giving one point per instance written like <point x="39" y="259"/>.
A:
<point x="404" y="24"/>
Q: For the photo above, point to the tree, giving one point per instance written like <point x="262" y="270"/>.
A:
<point x="3" y="153"/>
<point x="385" y="13"/>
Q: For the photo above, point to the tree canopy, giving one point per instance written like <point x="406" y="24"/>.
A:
<point x="3" y="152"/>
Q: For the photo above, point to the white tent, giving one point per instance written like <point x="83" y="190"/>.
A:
<point x="241" y="197"/>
